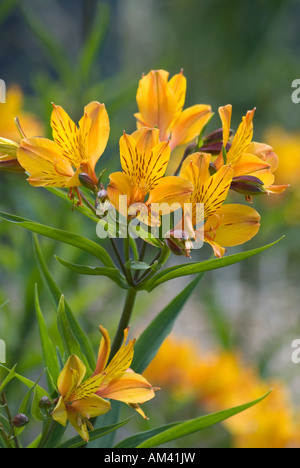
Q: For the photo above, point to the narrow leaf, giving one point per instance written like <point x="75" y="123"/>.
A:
<point x="112" y="273"/>
<point x="71" y="345"/>
<point x="56" y="295"/>
<point x="48" y="350"/>
<point x="77" y="442"/>
<point x="62" y="236"/>
<point x="201" y="267"/>
<point x="194" y="425"/>
<point x="154" y="335"/>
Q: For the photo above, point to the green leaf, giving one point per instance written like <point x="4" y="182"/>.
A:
<point x="91" y="47"/>
<point x="8" y="378"/>
<point x="201" y="267"/>
<point x="6" y="8"/>
<point x="136" y="439"/>
<point x="29" y="383"/>
<point x="62" y="236"/>
<point x="53" y="49"/>
<point x="154" y="335"/>
<point x="70" y="344"/>
<point x="48" y="350"/>
<point x="136" y="265"/>
<point x="194" y="425"/>
<point x="77" y="442"/>
<point x="112" y="273"/>
<point x="56" y="295"/>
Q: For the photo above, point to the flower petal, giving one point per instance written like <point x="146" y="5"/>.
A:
<point x="171" y="190"/>
<point x="225" y="113"/>
<point x="104" y="351"/>
<point x="156" y="101"/>
<point x="91" y="407"/>
<point x="95" y="140"/>
<point x="65" y="381"/>
<point x="66" y="135"/>
<point x="232" y="225"/>
<point x="129" y="388"/>
<point x="59" y="413"/>
<point x="120" y="185"/>
<point x="44" y="161"/>
<point x="249" y="164"/>
<point x="189" y="124"/>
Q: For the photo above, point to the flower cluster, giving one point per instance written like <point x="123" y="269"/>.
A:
<point x="208" y="167"/>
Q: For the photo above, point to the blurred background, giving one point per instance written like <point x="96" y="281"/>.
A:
<point x="233" y="340"/>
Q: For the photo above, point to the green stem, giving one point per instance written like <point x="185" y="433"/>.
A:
<point x="124" y="321"/>
<point x="9" y="416"/>
<point x="5" y="438"/>
<point x="48" y="429"/>
<point x="161" y="258"/>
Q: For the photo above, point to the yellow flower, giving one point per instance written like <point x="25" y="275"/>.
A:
<point x="144" y="160"/>
<point x="160" y="104"/>
<point x="10" y="137"/>
<point x="225" y="226"/>
<point x="118" y="381"/>
<point x="74" y="150"/>
<point x="78" y="402"/>
<point x="248" y="158"/>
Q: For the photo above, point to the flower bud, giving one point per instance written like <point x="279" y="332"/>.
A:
<point x="87" y="181"/>
<point x="20" y="420"/>
<point x="248" y="185"/>
<point x="10" y="164"/>
<point x="215" y="136"/>
<point x="178" y="243"/>
<point x="214" y="148"/>
<point x="45" y="403"/>
<point x="8" y="147"/>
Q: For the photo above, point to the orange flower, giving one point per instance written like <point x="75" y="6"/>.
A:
<point x="225" y="225"/>
<point x="160" y="104"/>
<point x="74" y="150"/>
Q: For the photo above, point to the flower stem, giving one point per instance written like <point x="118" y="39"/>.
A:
<point x="124" y="321"/>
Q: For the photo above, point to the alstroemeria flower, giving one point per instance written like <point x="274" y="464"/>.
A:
<point x="160" y="102"/>
<point x="78" y="401"/>
<point x="144" y="160"/>
<point x="118" y="381"/>
<point x="246" y="157"/>
<point x="224" y="225"/>
<point x="74" y="150"/>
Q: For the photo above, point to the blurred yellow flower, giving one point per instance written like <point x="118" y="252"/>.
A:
<point x="220" y="380"/>
<point x="75" y="150"/>
<point x="160" y="102"/>
<point x="287" y="145"/>
<point x="10" y="137"/>
<point x="12" y="108"/>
